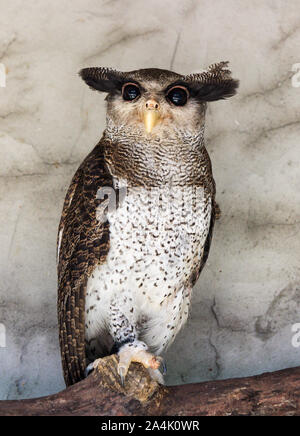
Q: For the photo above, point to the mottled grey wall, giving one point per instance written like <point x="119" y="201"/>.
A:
<point x="248" y="297"/>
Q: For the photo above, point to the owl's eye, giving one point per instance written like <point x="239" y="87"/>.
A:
<point x="178" y="95"/>
<point x="130" y="92"/>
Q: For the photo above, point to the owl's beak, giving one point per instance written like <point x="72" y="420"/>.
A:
<point x="151" y="114"/>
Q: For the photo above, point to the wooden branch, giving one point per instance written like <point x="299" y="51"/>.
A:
<point x="101" y="394"/>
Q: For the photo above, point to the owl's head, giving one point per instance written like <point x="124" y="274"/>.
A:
<point x="158" y="102"/>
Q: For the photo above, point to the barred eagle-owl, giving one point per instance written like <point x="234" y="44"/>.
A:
<point x="138" y="218"/>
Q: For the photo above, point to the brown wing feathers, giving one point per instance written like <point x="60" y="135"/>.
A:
<point x="84" y="243"/>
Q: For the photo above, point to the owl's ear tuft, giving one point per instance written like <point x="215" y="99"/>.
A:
<point x="102" y="79"/>
<point x="214" y="84"/>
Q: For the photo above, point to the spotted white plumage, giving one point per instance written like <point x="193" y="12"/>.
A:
<point x="157" y="237"/>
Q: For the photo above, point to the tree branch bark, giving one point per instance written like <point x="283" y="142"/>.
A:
<point x="101" y="394"/>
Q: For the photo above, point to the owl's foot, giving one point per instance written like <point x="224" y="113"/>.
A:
<point x="137" y="352"/>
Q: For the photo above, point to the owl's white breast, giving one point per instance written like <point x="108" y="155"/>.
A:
<point x="156" y="239"/>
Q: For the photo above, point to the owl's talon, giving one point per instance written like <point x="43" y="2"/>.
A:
<point x="122" y="378"/>
<point x="122" y="371"/>
<point x="163" y="364"/>
<point x="90" y="368"/>
<point x="156" y="375"/>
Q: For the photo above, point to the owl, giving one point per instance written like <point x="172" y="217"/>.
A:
<point x="137" y="220"/>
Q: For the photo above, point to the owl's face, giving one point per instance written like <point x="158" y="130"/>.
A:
<point x="155" y="102"/>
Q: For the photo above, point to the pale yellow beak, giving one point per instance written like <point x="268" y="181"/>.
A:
<point x="151" y="115"/>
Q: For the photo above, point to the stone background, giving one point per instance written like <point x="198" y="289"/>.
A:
<point x="249" y="295"/>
